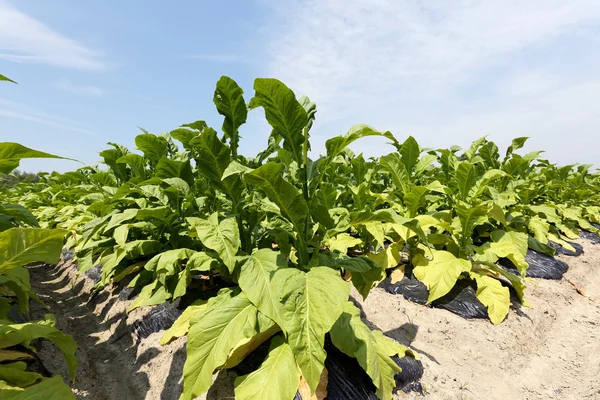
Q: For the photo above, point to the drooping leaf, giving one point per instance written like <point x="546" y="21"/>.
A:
<point x="21" y="246"/>
<point x="440" y="273"/>
<point x="255" y="281"/>
<point x="355" y="339"/>
<point x="181" y="326"/>
<point x="311" y="303"/>
<point x="493" y="295"/>
<point x="11" y="153"/>
<point x="277" y="377"/>
<point x="212" y="337"/>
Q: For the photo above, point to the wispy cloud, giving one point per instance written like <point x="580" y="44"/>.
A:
<point x="224" y="58"/>
<point x="440" y="69"/>
<point x="26" y="40"/>
<point x="70" y="87"/>
<point x="11" y="109"/>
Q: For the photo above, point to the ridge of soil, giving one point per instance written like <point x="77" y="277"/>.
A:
<point x="551" y="351"/>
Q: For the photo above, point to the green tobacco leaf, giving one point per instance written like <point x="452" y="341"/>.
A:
<point x="153" y="147"/>
<point x="15" y="374"/>
<point x="255" y="281"/>
<point x="269" y="178"/>
<point x="230" y="103"/>
<point x="400" y="176"/>
<point x="222" y="237"/>
<point x="512" y="245"/>
<point x="493" y="295"/>
<point x="470" y="217"/>
<point x="215" y="157"/>
<point x="135" y="162"/>
<point x="49" y="389"/>
<point x="4" y="78"/>
<point x="181" y="326"/>
<point x="11" y="153"/>
<point x="466" y="176"/>
<point x="440" y="273"/>
<point x="19" y="213"/>
<point x="14" y="334"/>
<point x="311" y="303"/>
<point x="167" y="168"/>
<point x="342" y="242"/>
<point x="212" y="337"/>
<point x="355" y="339"/>
<point x="283" y="112"/>
<point x="337" y="144"/>
<point x="366" y="272"/>
<point x="409" y="153"/>
<point x="21" y="246"/>
<point x="277" y="377"/>
<point x="415" y="199"/>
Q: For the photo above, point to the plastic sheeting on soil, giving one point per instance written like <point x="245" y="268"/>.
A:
<point x="160" y="318"/>
<point x="540" y="266"/>
<point x="560" y="250"/>
<point x="460" y="300"/>
<point x="592" y="237"/>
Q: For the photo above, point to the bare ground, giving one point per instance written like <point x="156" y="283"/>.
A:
<point x="551" y="352"/>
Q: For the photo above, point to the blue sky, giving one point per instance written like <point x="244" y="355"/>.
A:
<point x="91" y="72"/>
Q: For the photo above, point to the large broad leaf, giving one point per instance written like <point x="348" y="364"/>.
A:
<point x="11" y="153"/>
<point x="269" y="178"/>
<point x="21" y="246"/>
<point x="181" y="326"/>
<point x="469" y="218"/>
<point x="512" y="245"/>
<point x="365" y="271"/>
<point x="409" y="153"/>
<point x="255" y="281"/>
<point x="153" y="147"/>
<point x="440" y="273"/>
<point x="311" y="303"/>
<point x="355" y="339"/>
<point x="14" y="334"/>
<point x="49" y="389"/>
<point x="214" y="158"/>
<point x="400" y="175"/>
<point x="135" y="162"/>
<point x="19" y="213"/>
<point x="230" y="103"/>
<point x="167" y="168"/>
<point x="466" y="177"/>
<point x="283" y="112"/>
<point x="213" y="335"/>
<point x="415" y="199"/>
<point x="493" y="295"/>
<point x="222" y="237"/>
<point x="277" y="378"/>
<point x="336" y="145"/>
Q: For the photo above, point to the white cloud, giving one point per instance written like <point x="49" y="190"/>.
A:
<point x="26" y="40"/>
<point x="11" y="109"/>
<point x="89" y="90"/>
<point x="445" y="72"/>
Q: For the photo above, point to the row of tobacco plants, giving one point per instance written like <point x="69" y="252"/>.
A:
<point x="23" y="242"/>
<point x="291" y="235"/>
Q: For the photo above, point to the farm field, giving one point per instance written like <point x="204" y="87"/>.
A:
<point x="547" y="353"/>
<point x="185" y="269"/>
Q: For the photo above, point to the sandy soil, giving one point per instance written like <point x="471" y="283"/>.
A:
<point x="552" y="352"/>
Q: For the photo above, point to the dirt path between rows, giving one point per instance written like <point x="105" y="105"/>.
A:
<point x="551" y="352"/>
